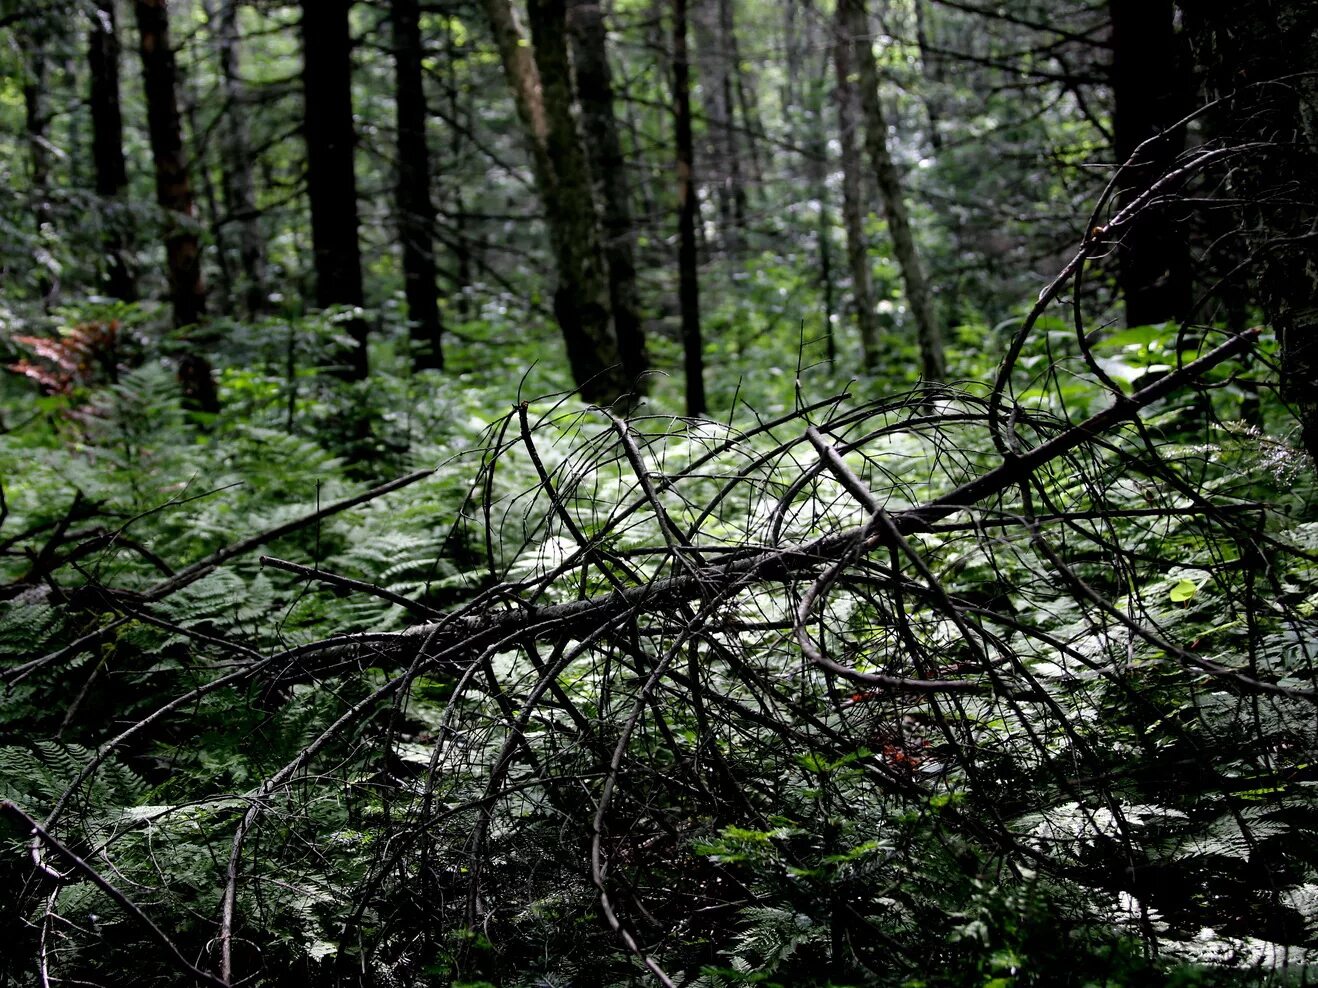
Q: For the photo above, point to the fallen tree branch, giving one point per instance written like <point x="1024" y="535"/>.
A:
<point x="461" y="634"/>
<point x="39" y="834"/>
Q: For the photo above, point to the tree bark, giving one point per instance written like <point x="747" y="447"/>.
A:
<point x="539" y="79"/>
<point x="693" y="358"/>
<point x="108" y="151"/>
<point x="1149" y="96"/>
<point x="931" y="73"/>
<point x="174" y="195"/>
<point x="35" y="120"/>
<point x="238" y="184"/>
<point x="416" y="210"/>
<point x="717" y="97"/>
<point x="817" y="168"/>
<point x="331" y="176"/>
<point x="599" y="123"/>
<point x="853" y="26"/>
<point x="853" y="207"/>
<point x="1255" y="57"/>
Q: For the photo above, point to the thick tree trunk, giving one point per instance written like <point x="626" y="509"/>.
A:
<point x="693" y="358"/>
<point x="853" y="25"/>
<point x="1256" y="56"/>
<point x="416" y="211"/>
<point x="331" y="177"/>
<point x="539" y="78"/>
<point x="853" y="207"/>
<point x="595" y="92"/>
<point x="174" y="195"/>
<point x="1149" y="96"/>
<point x="108" y="151"/>
<point x="239" y="186"/>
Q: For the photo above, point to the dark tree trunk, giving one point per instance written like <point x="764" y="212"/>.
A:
<point x="174" y="195"/>
<point x="932" y="74"/>
<point x="1250" y="54"/>
<point x="416" y="211"/>
<point x="239" y="186"/>
<point x="1149" y="96"/>
<point x="584" y="301"/>
<point x="853" y="25"/>
<point x="331" y="178"/>
<point x="853" y="207"/>
<point x="539" y="77"/>
<point x="108" y="151"/>
<point x="595" y="92"/>
<point x="693" y="357"/>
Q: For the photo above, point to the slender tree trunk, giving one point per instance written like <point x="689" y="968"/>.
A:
<point x="746" y="104"/>
<point x="108" y="151"/>
<point x="595" y="89"/>
<point x="688" y="207"/>
<point x="932" y="74"/>
<point x="789" y="96"/>
<point x="722" y="162"/>
<point x="416" y="211"/>
<point x="817" y="167"/>
<point x="1249" y="55"/>
<point x="208" y="201"/>
<point x="853" y="24"/>
<point x="331" y="177"/>
<point x="539" y="79"/>
<point x="238" y="183"/>
<point x="38" y="143"/>
<point x="174" y="195"/>
<point x="461" y="245"/>
<point x="1149" y="97"/>
<point x="853" y="206"/>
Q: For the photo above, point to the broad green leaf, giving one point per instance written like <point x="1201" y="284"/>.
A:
<point x="1183" y="591"/>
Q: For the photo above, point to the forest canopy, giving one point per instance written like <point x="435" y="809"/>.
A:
<point x="682" y="492"/>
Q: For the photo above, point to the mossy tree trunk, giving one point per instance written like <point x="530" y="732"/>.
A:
<point x="853" y="26"/>
<point x="599" y="123"/>
<point x="539" y="76"/>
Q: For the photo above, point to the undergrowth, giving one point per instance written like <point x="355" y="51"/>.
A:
<point x="1117" y="788"/>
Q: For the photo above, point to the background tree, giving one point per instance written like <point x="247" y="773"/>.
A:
<point x="174" y="196"/>
<point x="853" y="206"/>
<point x="594" y="86"/>
<point x="416" y="212"/>
<point x="111" y="170"/>
<point x="688" y="212"/>
<point x="1150" y="90"/>
<point x="331" y="175"/>
<point x="236" y="164"/>
<point x="538" y="74"/>
<point x="1273" y="113"/>
<point x="853" y="23"/>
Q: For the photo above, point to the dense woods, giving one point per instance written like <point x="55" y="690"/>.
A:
<point x="691" y="492"/>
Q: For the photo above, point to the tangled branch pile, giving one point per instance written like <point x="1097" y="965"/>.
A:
<point x="941" y="687"/>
